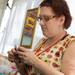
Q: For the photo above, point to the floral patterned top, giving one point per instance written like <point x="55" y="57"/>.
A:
<point x="52" y="56"/>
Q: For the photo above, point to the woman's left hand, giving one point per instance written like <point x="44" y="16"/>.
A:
<point x="26" y="56"/>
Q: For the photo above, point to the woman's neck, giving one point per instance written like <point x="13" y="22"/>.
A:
<point x="56" y="38"/>
<point x="59" y="36"/>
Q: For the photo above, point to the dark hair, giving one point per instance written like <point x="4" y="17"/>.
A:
<point x="59" y="7"/>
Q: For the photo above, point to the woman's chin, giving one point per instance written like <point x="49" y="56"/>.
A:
<point x="46" y="35"/>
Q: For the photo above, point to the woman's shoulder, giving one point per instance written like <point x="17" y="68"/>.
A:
<point x="70" y="38"/>
<point x="70" y="49"/>
<point x="70" y="41"/>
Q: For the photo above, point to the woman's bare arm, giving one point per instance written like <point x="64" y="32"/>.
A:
<point x="68" y="63"/>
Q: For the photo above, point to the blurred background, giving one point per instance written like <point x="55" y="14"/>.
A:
<point x="12" y="18"/>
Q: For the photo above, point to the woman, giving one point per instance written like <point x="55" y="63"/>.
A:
<point x="55" y="54"/>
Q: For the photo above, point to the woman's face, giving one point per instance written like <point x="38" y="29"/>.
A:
<point x="50" y="24"/>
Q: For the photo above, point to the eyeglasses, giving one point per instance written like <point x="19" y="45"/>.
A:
<point x="45" y="18"/>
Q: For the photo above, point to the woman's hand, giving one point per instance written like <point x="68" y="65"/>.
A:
<point x="11" y="56"/>
<point x="26" y="56"/>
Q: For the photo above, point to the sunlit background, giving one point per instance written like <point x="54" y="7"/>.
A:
<point x="12" y="18"/>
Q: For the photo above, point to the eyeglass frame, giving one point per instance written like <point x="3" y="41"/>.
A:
<point x="43" y="17"/>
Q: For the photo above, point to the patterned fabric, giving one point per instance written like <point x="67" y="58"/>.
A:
<point x="52" y="56"/>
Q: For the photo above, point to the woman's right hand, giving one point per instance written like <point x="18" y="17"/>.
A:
<point x="11" y="56"/>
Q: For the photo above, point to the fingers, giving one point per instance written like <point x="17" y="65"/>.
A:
<point x="21" y="54"/>
<point x="23" y="59"/>
<point x="11" y="55"/>
<point x="10" y="59"/>
<point x="21" y="51"/>
<point x="20" y="48"/>
<point x="25" y="55"/>
<point x="14" y="54"/>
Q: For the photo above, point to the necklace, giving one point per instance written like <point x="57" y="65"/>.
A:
<point x="38" y="51"/>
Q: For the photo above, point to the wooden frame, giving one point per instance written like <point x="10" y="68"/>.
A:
<point x="29" y="28"/>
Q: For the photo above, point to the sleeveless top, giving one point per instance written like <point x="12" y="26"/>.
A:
<point x="52" y="56"/>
